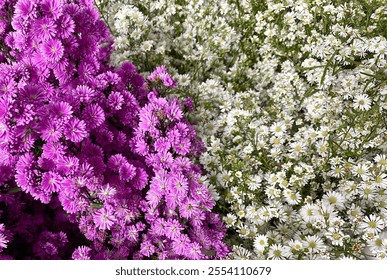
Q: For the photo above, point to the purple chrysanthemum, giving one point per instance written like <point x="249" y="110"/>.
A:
<point x="51" y="131"/>
<point x="75" y="130"/>
<point x="104" y="218"/>
<point x="53" y="50"/>
<point x="3" y="238"/>
<point x="44" y="29"/>
<point x="24" y="9"/>
<point x="61" y="110"/>
<point x="52" y="8"/>
<point x="81" y="253"/>
<point x="65" y="26"/>
<point x="84" y="93"/>
<point x="93" y="115"/>
<point x="51" y="182"/>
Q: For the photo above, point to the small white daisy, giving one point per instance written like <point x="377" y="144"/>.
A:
<point x="260" y="242"/>
<point x="278" y="252"/>
<point x="372" y="224"/>
<point x="362" y="102"/>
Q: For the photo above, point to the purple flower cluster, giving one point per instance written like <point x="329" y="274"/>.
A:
<point x="95" y="144"/>
<point x="3" y="238"/>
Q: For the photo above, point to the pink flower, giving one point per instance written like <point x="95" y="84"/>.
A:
<point x="173" y="110"/>
<point x="84" y="93"/>
<point x="65" y="26"/>
<point x="182" y="147"/>
<point x="115" y="101"/>
<point x="189" y="208"/>
<point x="178" y="184"/>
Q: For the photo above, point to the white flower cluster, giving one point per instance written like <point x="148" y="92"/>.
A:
<point x="291" y="102"/>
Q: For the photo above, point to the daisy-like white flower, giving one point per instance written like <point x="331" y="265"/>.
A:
<point x="326" y="212"/>
<point x="372" y="224"/>
<point x="381" y="255"/>
<point x="354" y="212"/>
<point x="336" y="171"/>
<point x="313" y="243"/>
<point x="336" y="236"/>
<point x="381" y="160"/>
<point x="291" y="197"/>
<point x="278" y="129"/>
<point x="230" y="219"/>
<point x="376" y="244"/>
<point x="308" y="212"/>
<point x="296" y="245"/>
<point x="362" y="102"/>
<point x="380" y="180"/>
<point x="260" y="242"/>
<point x="241" y="253"/>
<point x="367" y="191"/>
<point x="297" y="147"/>
<point x="278" y="252"/>
<point x="255" y="183"/>
<point x="334" y="198"/>
<point x="361" y="170"/>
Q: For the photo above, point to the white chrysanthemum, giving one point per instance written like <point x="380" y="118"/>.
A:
<point x="335" y="236"/>
<point x="214" y="193"/>
<point x="260" y="242"/>
<point x="373" y="224"/>
<point x="241" y="253"/>
<point x="147" y="45"/>
<point x="326" y="212"/>
<point x="296" y="245"/>
<point x="292" y="197"/>
<point x="380" y="180"/>
<point x="313" y="243"/>
<point x="308" y="212"/>
<point x="362" y="170"/>
<point x="230" y="220"/>
<point x="278" y="252"/>
<point x="381" y="160"/>
<point x="255" y="182"/>
<point x="278" y="129"/>
<point x="334" y="198"/>
<point x="375" y="244"/>
<point x="362" y="102"/>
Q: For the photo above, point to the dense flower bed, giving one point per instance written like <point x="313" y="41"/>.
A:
<point x="291" y="105"/>
<point x="95" y="162"/>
